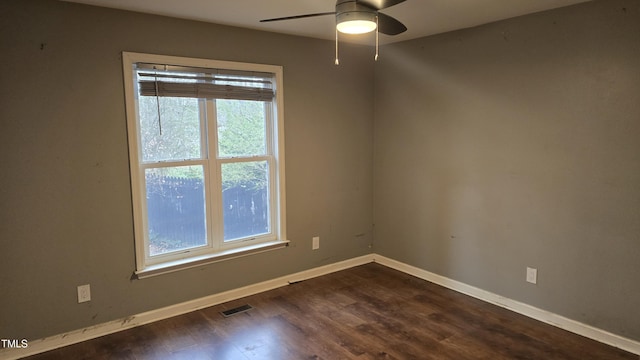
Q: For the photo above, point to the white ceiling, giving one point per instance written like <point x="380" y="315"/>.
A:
<point x="422" y="17"/>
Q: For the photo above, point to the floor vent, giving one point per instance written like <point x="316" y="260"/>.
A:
<point x="236" y="310"/>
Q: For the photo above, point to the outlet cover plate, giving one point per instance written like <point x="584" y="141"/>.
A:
<point x="532" y="275"/>
<point x="84" y="293"/>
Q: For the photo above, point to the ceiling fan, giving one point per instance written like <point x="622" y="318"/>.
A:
<point x="359" y="17"/>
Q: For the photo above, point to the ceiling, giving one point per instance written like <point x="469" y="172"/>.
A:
<point x="422" y="17"/>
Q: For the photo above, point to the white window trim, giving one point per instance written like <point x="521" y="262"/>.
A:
<point x="143" y="267"/>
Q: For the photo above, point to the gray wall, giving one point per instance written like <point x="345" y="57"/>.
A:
<point x="65" y="198"/>
<point x="517" y="144"/>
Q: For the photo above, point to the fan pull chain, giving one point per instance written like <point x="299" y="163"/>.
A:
<point x="377" y="38"/>
<point x="337" y="60"/>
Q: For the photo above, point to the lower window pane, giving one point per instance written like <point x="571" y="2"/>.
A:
<point x="175" y="209"/>
<point x="245" y="199"/>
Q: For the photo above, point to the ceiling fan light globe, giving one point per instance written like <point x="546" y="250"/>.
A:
<point x="356" y="26"/>
<point x="352" y="18"/>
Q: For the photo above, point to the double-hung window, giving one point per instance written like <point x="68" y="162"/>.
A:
<point x="206" y="157"/>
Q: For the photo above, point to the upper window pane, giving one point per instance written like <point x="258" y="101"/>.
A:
<point x="241" y="128"/>
<point x="169" y="128"/>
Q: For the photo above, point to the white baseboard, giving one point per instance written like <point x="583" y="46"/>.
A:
<point x="73" y="337"/>
<point x="516" y="306"/>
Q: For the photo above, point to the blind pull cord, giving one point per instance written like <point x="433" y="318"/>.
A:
<point x="158" y="105"/>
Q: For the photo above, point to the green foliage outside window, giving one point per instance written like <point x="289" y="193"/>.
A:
<point x="170" y="130"/>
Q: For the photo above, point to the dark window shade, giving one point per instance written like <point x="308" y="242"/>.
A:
<point x="204" y="90"/>
<point x="204" y="83"/>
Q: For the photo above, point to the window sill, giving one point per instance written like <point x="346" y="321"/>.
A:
<point x="177" y="265"/>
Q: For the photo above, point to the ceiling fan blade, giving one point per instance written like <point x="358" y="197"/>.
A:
<point x="379" y="4"/>
<point x="390" y="26"/>
<point x="298" y="16"/>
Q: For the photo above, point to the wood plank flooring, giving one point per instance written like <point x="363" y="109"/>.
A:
<point x="367" y="312"/>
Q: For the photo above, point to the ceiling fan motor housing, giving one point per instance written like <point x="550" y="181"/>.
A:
<point x="347" y="10"/>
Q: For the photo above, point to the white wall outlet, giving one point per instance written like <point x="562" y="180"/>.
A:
<point x="532" y="275"/>
<point x="315" y="245"/>
<point x="84" y="293"/>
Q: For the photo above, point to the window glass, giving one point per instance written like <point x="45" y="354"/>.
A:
<point x="169" y="128"/>
<point x="175" y="209"/>
<point x="245" y="199"/>
<point x="241" y="128"/>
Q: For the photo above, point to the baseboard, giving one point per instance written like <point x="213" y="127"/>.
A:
<point x="516" y="306"/>
<point x="73" y="337"/>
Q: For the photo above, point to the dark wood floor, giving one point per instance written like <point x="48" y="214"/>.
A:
<point x="367" y="312"/>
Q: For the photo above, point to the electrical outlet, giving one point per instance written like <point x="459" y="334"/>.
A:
<point x="315" y="243"/>
<point x="84" y="293"/>
<point x="532" y="275"/>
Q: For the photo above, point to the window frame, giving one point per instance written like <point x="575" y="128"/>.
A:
<point x="217" y="248"/>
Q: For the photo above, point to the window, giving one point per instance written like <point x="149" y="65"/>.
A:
<point x="206" y="156"/>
